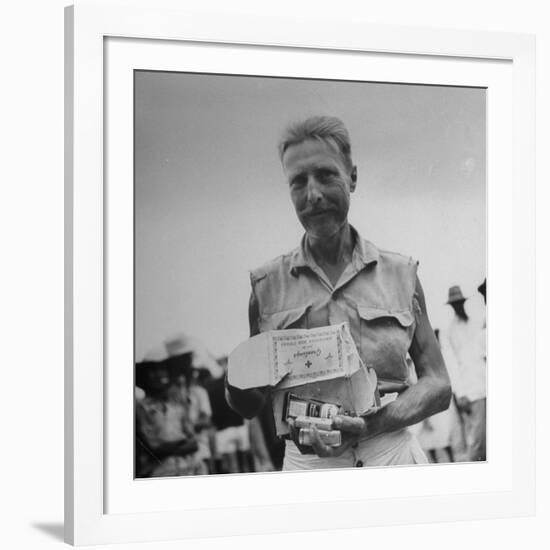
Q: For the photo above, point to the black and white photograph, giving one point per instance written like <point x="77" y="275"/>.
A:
<point x="246" y="255"/>
<point x="310" y="274"/>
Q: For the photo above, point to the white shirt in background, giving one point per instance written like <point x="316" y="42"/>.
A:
<point x="463" y="348"/>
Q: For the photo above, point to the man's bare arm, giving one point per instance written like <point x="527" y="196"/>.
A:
<point x="247" y="403"/>
<point x="430" y="395"/>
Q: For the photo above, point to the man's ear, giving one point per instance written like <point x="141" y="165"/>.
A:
<point x="353" y="177"/>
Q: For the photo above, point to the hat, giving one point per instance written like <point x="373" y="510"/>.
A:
<point x="158" y="353"/>
<point x="455" y="295"/>
<point x="179" y="344"/>
<point x="482" y="288"/>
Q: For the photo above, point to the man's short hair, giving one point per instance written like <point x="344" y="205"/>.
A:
<point x="328" y="129"/>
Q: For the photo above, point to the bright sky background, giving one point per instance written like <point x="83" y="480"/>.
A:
<point x="211" y="201"/>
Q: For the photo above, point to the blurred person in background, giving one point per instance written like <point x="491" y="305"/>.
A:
<point x="465" y="360"/>
<point x="186" y="389"/>
<point x="482" y="289"/>
<point x="165" y="438"/>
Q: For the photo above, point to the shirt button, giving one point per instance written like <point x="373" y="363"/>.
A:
<point x="359" y="464"/>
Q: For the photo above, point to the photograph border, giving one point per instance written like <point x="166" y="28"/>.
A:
<point x="122" y="493"/>
<point x="86" y="26"/>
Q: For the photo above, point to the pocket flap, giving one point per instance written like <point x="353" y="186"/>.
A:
<point x="283" y="319"/>
<point x="370" y="313"/>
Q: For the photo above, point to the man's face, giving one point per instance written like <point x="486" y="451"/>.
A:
<point x="320" y="186"/>
<point x="158" y="379"/>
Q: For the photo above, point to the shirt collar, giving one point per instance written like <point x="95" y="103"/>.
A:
<point x="364" y="254"/>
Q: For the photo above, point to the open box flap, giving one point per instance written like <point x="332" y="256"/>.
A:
<point x="249" y="365"/>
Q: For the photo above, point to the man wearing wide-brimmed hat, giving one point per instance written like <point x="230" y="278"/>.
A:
<point x="466" y="363"/>
<point x="165" y="441"/>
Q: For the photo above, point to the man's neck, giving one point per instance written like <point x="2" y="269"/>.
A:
<point x="334" y="250"/>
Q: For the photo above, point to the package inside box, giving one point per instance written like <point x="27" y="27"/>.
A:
<point x="321" y="363"/>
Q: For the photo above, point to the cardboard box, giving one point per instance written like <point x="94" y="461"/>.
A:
<point x="321" y="363"/>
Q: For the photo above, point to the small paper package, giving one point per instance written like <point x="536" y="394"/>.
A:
<point x="321" y="364"/>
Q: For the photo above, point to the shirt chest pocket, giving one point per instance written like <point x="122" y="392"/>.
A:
<point x="289" y="318"/>
<point x="385" y="337"/>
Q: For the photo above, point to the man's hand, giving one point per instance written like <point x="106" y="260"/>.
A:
<point x="294" y="435"/>
<point x="351" y="425"/>
<point x="352" y="428"/>
<point x="248" y="403"/>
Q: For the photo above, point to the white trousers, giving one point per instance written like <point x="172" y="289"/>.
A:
<point x="399" y="447"/>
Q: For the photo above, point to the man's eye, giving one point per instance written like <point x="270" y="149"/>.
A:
<point x="298" y="182"/>
<point x="325" y="175"/>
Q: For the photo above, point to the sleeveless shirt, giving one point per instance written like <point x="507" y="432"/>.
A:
<point x="375" y="295"/>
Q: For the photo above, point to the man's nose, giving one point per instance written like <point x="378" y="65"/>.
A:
<point x="314" y="193"/>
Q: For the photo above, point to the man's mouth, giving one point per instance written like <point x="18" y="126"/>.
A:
<point x="317" y="212"/>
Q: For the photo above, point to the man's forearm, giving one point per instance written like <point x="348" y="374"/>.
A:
<point x="429" y="396"/>
<point x="248" y="403"/>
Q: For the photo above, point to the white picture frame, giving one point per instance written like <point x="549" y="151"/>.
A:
<point x="103" y="504"/>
